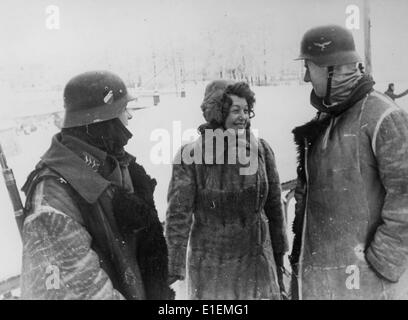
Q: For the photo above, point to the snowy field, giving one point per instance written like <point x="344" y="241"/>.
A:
<point x="278" y="110"/>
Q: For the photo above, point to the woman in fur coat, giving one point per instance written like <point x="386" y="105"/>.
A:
<point x="224" y="214"/>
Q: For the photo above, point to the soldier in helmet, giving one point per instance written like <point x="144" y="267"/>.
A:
<point x="351" y="222"/>
<point x="91" y="229"/>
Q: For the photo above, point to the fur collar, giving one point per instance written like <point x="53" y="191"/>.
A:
<point x="139" y="224"/>
<point x="308" y="133"/>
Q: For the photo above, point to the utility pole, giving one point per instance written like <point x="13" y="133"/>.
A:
<point x="154" y="70"/>
<point x="367" y="37"/>
<point x="182" y="75"/>
<point x="244" y="71"/>
<point x="173" y="60"/>
<point x="264" y="58"/>
<point x="156" y="96"/>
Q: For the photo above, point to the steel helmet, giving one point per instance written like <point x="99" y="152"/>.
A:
<point x="330" y="45"/>
<point x="93" y="97"/>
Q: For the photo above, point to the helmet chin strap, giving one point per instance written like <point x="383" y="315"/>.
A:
<point x="330" y="72"/>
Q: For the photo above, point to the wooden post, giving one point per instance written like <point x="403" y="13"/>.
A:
<point x="367" y="37"/>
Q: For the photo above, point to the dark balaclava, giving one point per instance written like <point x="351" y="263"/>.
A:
<point x="110" y="136"/>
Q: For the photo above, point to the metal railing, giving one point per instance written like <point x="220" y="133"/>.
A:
<point x="7" y="286"/>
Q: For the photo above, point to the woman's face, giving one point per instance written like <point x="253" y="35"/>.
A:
<point x="238" y="116"/>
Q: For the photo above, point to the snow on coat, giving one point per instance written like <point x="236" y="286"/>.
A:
<point x="86" y="237"/>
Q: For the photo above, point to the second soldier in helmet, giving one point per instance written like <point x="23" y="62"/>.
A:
<point x="351" y="224"/>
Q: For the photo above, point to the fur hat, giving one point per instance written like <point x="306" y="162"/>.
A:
<point x="211" y="106"/>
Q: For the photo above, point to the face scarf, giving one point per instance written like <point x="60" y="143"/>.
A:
<point x="110" y="136"/>
<point x="345" y="79"/>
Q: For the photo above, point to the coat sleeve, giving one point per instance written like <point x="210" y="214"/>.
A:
<point x="388" y="252"/>
<point x="58" y="262"/>
<point x="273" y="206"/>
<point x="396" y="96"/>
<point x="181" y="201"/>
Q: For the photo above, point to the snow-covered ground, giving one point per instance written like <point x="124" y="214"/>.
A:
<point x="278" y="110"/>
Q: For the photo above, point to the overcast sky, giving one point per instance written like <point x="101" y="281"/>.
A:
<point x="95" y="32"/>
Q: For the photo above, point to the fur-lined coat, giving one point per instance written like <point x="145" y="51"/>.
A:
<point x="351" y="225"/>
<point x="231" y="227"/>
<point x="90" y="237"/>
